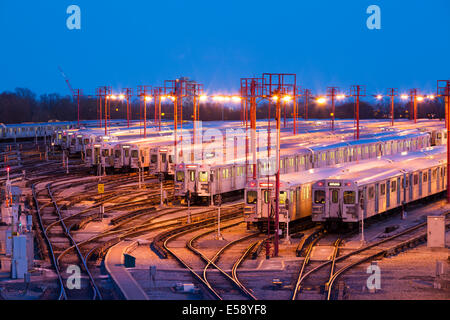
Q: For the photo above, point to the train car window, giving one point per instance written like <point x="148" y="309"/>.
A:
<point x="291" y="162"/>
<point x="127" y="153"/>
<point x="225" y="173"/>
<point x="105" y="152"/>
<point x="252" y="197"/>
<point x="89" y="153"/>
<point x="134" y="153"/>
<point x="192" y="175"/>
<point x="393" y="186"/>
<point x="266" y="196"/>
<point x="361" y="199"/>
<point x="203" y="176"/>
<point x="371" y="192"/>
<point x="153" y="158"/>
<point x="117" y="153"/>
<point x="335" y="196"/>
<point x="319" y="196"/>
<point x="239" y="171"/>
<point x="283" y="197"/>
<point x="434" y="173"/>
<point x="170" y="158"/>
<point x="180" y="176"/>
<point x="324" y="156"/>
<point x="349" y="197"/>
<point x="383" y="189"/>
<point x="86" y="141"/>
<point x="416" y="179"/>
<point x="425" y="177"/>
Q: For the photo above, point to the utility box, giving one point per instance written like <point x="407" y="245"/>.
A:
<point x="436" y="232"/>
<point x="129" y="261"/>
<point x="19" y="263"/>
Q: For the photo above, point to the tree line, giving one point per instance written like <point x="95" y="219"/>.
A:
<point x="22" y="105"/>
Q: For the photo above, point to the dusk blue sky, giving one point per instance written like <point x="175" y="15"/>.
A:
<point x="127" y="43"/>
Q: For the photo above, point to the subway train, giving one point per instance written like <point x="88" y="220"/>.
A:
<point x="349" y="197"/>
<point x="209" y="178"/>
<point x="296" y="189"/>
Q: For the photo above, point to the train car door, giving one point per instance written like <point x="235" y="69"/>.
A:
<point x="377" y="197"/>
<point x="420" y="183"/>
<point x="429" y="181"/>
<point x="335" y="207"/>
<point x="233" y="177"/>
<point x="388" y="194"/>
<point x="411" y="183"/>
<point x="398" y="191"/>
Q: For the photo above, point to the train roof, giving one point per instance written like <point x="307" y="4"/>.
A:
<point x="409" y="161"/>
<point x="374" y="174"/>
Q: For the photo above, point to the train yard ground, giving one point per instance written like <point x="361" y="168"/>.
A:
<point x="177" y="259"/>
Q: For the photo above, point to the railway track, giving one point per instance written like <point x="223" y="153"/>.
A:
<point x="52" y="234"/>
<point x="318" y="277"/>
<point x="221" y="272"/>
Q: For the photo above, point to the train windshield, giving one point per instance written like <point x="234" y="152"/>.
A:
<point x="89" y="153"/>
<point x="127" y="153"/>
<point x="349" y="197"/>
<point x="266" y="196"/>
<point x="335" y="195"/>
<point x="163" y="157"/>
<point x="203" y="176"/>
<point x="319" y="196"/>
<point x="180" y="176"/>
<point x="117" y="153"/>
<point x="192" y="175"/>
<point x="134" y="153"/>
<point x="86" y="141"/>
<point x="252" y="197"/>
<point x="105" y="152"/>
<point x="283" y="197"/>
<point x="153" y="158"/>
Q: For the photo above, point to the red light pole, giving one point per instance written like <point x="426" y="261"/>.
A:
<point x="104" y="92"/>
<point x="413" y="97"/>
<point x="128" y="94"/>
<point x="306" y="94"/>
<point x="77" y="93"/>
<point x="443" y="90"/>
<point x="276" y="85"/>
<point x="332" y="92"/>
<point x="195" y="90"/>
<point x="392" y="92"/>
<point x="98" y="93"/>
<point x="176" y="90"/>
<point x="357" y="91"/>
<point x="142" y="93"/>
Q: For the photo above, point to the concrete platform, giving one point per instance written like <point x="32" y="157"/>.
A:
<point x="130" y="289"/>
